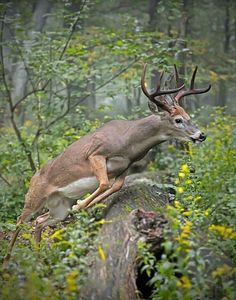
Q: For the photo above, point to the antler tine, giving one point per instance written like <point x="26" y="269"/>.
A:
<point x="157" y="92"/>
<point x="158" y="85"/>
<point x="161" y="76"/>
<point x="143" y="86"/>
<point x="192" y="90"/>
<point x="152" y="96"/>
<point x="193" y="78"/>
<point x="177" y="79"/>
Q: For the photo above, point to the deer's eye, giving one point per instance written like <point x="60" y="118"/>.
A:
<point x="178" y="121"/>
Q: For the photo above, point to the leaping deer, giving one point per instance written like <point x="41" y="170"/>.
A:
<point x="98" y="162"/>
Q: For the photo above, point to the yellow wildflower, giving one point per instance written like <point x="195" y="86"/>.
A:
<point x="177" y="204"/>
<point x="184" y="235"/>
<point x="224" y="231"/>
<point x="102" y="253"/>
<point x="180" y="189"/>
<point x="225" y="269"/>
<point x="186" y="229"/>
<point x="188" y="181"/>
<point x="71" y="281"/>
<point x="189" y="223"/>
<point x="185" y="168"/>
<point x="58" y="234"/>
<point x="181" y="174"/>
<point x="103" y="221"/>
<point x="184" y="282"/>
<point x="186" y="243"/>
<point x="26" y="236"/>
<point x="186" y="213"/>
<point x="198" y="198"/>
<point x="177" y="181"/>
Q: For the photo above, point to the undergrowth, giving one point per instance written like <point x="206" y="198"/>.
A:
<point x="199" y="257"/>
<point x="58" y="269"/>
<point x="198" y="260"/>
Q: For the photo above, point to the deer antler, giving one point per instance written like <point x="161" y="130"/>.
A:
<point x="158" y="92"/>
<point x="191" y="90"/>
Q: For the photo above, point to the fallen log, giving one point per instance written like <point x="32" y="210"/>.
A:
<point x="131" y="215"/>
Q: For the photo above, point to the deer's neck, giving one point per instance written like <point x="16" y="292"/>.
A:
<point x="147" y="133"/>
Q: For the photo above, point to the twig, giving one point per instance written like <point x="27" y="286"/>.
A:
<point x="73" y="27"/>
<point x="86" y="96"/>
<point x="5" y="180"/>
<point x="27" y="95"/>
<point x="106" y="82"/>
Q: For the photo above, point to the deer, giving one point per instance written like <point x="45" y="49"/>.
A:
<point x="98" y="162"/>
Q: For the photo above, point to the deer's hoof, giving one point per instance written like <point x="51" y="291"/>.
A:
<point x="77" y="207"/>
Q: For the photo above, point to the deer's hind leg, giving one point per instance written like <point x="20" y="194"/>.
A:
<point x="116" y="186"/>
<point x="99" y="167"/>
<point x="59" y="208"/>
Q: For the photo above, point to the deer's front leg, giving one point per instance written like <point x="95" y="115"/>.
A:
<point x="98" y="164"/>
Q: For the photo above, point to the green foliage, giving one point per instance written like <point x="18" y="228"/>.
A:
<point x="198" y="257"/>
<point x="58" y="269"/>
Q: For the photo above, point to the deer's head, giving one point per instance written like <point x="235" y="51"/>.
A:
<point x="179" y="123"/>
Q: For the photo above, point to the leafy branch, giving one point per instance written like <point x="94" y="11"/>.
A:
<point x="10" y="102"/>
<point x="13" y="106"/>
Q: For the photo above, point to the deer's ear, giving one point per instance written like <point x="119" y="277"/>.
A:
<point x="153" y="107"/>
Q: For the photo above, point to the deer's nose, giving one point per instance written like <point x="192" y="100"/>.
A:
<point x="202" y="136"/>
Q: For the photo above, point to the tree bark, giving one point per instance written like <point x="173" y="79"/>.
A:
<point x="91" y="100"/>
<point x="152" y="11"/>
<point x="222" y="95"/>
<point x="19" y="76"/>
<point x="130" y="218"/>
<point x="181" y="42"/>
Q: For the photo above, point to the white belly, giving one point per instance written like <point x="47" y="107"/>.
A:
<point x="79" y="188"/>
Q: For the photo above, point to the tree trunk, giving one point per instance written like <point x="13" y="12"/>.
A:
<point x="181" y="42"/>
<point x="114" y="268"/>
<point x="235" y="31"/>
<point x="152" y="11"/>
<point x="91" y="100"/>
<point x="19" y="76"/>
<point x="222" y="95"/>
